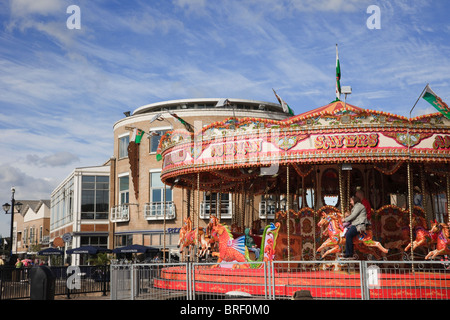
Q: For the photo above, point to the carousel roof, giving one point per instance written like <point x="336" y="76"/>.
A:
<point x="231" y="153"/>
<point x="332" y="108"/>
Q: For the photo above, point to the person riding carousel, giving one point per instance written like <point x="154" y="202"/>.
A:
<point x="358" y="220"/>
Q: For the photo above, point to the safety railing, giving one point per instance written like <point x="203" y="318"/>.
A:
<point x="278" y="280"/>
<point x="15" y="283"/>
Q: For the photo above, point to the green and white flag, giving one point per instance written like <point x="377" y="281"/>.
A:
<point x="436" y="102"/>
<point x="186" y="124"/>
<point x="338" y="76"/>
<point x="137" y="135"/>
<point x="284" y="105"/>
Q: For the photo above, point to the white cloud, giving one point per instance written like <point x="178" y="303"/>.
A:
<point x="192" y="6"/>
<point x="24" y="8"/>
<point x="327" y="5"/>
<point x="58" y="159"/>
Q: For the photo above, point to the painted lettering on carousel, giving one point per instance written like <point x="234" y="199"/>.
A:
<point x="236" y="148"/>
<point x="360" y="140"/>
<point x="175" y="157"/>
<point x="441" y="142"/>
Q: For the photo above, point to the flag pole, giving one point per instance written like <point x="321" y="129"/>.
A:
<point x="417" y="101"/>
<point x="410" y="186"/>
<point x="338" y="76"/>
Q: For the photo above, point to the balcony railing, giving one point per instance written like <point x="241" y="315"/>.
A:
<point x="207" y="208"/>
<point x="120" y="213"/>
<point x="155" y="210"/>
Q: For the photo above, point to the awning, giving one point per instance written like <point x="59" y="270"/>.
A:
<point x="135" y="248"/>
<point x="50" y="252"/>
<point x="88" y="250"/>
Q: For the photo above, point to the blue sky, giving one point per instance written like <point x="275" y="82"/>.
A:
<point x="61" y="90"/>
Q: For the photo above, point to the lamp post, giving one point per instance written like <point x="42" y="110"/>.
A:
<point x="6" y="207"/>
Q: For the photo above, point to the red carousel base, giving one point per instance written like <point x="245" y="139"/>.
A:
<point x="321" y="284"/>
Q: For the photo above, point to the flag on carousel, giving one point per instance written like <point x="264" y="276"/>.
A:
<point x="137" y="135"/>
<point x="338" y="76"/>
<point x="284" y="105"/>
<point x="436" y="102"/>
<point x="187" y="125"/>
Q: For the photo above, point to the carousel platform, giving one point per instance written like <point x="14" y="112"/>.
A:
<point x="323" y="284"/>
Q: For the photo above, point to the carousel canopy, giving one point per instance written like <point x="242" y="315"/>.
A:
<point x="332" y="108"/>
<point x="252" y="154"/>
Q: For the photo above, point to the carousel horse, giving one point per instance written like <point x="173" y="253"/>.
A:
<point x="213" y="221"/>
<point x="423" y="236"/>
<point x="363" y="242"/>
<point x="443" y="241"/>
<point x="402" y="224"/>
<point x="190" y="238"/>
<point x="231" y="249"/>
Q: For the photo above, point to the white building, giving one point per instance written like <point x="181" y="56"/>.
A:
<point x="79" y="211"/>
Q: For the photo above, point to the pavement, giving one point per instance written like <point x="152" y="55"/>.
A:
<point x="84" y="296"/>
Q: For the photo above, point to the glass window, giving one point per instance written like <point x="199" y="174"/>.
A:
<point x="124" y="190"/>
<point x="95" y="197"/>
<point x="123" y="146"/>
<point x="157" y="188"/>
<point x="211" y="204"/>
<point x="154" y="140"/>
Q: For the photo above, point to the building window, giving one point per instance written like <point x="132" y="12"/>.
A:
<point x="25" y="236"/>
<point x="124" y="193"/>
<point x="157" y="188"/>
<point x="95" y="241"/>
<point x="210" y="205"/>
<point x="123" y="146"/>
<point x="155" y="138"/>
<point x="123" y="240"/>
<point x="32" y="236"/>
<point x="62" y="205"/>
<point x="157" y="208"/>
<point x="95" y="197"/>
<point x="267" y="207"/>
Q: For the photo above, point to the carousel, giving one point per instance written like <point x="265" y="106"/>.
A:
<point x="304" y="169"/>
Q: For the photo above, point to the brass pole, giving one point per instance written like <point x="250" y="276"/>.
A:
<point x="164" y="227"/>
<point x="448" y="195"/>
<point x="287" y="214"/>
<point x="198" y="211"/>
<point x="341" y="190"/>
<point x="410" y="204"/>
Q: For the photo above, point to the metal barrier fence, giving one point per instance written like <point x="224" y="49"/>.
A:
<point x="278" y="280"/>
<point x="141" y="281"/>
<point x="16" y="283"/>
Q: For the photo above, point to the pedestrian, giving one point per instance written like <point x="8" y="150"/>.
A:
<point x="19" y="264"/>
<point x="358" y="219"/>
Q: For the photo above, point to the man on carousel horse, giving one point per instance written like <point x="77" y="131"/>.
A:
<point x="358" y="220"/>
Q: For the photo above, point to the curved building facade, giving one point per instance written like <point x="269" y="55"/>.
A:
<point x="142" y="209"/>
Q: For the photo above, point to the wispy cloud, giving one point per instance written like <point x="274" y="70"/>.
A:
<point x="58" y="159"/>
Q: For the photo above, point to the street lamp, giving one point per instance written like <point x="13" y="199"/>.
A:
<point x="11" y="206"/>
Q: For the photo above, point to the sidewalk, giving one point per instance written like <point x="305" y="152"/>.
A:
<point x="84" y="296"/>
